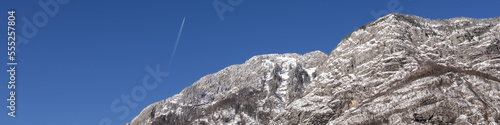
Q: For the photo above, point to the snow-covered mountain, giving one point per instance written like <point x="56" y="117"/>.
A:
<point x="399" y="69"/>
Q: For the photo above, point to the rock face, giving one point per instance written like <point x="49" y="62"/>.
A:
<point x="399" y="69"/>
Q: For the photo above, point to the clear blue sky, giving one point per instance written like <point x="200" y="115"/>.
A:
<point x="93" y="51"/>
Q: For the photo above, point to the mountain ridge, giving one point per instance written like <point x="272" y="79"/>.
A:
<point x="397" y="69"/>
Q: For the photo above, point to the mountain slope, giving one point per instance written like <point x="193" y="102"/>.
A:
<point x="266" y="83"/>
<point x="399" y="69"/>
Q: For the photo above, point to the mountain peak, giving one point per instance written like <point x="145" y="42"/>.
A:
<point x="399" y="69"/>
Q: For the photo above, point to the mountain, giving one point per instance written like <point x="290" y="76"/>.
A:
<point x="399" y="69"/>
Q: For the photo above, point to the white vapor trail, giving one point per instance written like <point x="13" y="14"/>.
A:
<point x="176" y="43"/>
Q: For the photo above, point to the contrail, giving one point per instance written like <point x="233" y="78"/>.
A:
<point x="176" y="43"/>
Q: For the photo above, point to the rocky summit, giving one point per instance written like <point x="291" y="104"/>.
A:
<point x="399" y="69"/>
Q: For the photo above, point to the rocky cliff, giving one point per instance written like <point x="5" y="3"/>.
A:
<point x="399" y="69"/>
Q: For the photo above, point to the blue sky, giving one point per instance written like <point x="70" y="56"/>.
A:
<point x="91" y="52"/>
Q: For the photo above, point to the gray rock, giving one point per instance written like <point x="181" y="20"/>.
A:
<point x="399" y="69"/>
